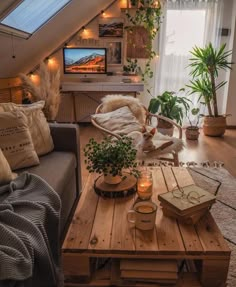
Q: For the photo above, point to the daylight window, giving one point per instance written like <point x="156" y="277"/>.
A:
<point x="181" y="38"/>
<point x="30" y="15"/>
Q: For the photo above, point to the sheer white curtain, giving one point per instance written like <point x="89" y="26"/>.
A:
<point x="185" y="24"/>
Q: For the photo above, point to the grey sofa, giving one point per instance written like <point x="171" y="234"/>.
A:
<point x="61" y="169"/>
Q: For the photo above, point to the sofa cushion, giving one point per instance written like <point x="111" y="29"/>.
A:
<point x="6" y="174"/>
<point x="37" y="123"/>
<point x="15" y="140"/>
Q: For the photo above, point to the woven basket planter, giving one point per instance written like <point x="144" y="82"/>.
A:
<point x="192" y="133"/>
<point x="214" y="126"/>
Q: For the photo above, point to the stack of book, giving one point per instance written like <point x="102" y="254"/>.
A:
<point x="149" y="271"/>
<point x="187" y="204"/>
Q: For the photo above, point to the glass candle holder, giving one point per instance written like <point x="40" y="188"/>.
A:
<point x="144" y="185"/>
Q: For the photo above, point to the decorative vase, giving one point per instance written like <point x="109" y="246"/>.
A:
<point x="214" y="126"/>
<point x="192" y="133"/>
<point x="110" y="179"/>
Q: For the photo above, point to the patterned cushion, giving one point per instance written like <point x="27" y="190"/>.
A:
<point x="15" y="140"/>
<point x="38" y="126"/>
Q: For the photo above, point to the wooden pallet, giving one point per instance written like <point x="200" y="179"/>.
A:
<point x="100" y="229"/>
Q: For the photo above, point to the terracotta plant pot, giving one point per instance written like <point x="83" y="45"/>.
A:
<point x="165" y="128"/>
<point x="192" y="133"/>
<point x="214" y="126"/>
<point x="110" y="179"/>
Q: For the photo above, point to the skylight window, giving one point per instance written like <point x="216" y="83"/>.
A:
<point x="30" y="15"/>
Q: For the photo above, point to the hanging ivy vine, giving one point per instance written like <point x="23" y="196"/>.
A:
<point x="147" y="15"/>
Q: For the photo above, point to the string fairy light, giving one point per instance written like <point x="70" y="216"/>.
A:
<point x="81" y="29"/>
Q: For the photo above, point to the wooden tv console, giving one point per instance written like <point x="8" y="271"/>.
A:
<point x="79" y="100"/>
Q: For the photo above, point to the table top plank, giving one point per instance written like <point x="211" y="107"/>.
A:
<point x="190" y="237"/>
<point x="123" y="234"/>
<point x="80" y="228"/>
<point x="146" y="240"/>
<point x="210" y="236"/>
<point x="102" y="226"/>
<point x="168" y="235"/>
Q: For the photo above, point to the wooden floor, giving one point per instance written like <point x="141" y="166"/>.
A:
<point x="206" y="148"/>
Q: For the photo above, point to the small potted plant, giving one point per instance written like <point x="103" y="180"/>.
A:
<point x="132" y="67"/>
<point x="169" y="105"/>
<point x="192" y="131"/>
<point x="111" y="158"/>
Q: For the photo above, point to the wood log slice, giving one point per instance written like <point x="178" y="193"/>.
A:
<point x="126" y="187"/>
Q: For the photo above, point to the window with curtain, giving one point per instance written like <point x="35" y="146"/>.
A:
<point x="185" y="24"/>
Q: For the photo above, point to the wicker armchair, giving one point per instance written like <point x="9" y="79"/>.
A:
<point x="165" y="152"/>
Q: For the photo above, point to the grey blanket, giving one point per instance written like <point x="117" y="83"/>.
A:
<point x="29" y="233"/>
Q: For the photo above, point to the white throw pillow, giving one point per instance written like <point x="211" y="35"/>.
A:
<point x="15" y="140"/>
<point x="113" y="102"/>
<point x="120" y="121"/>
<point x="37" y="122"/>
<point x="6" y="175"/>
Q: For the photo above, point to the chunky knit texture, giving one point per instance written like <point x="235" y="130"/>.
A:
<point x="29" y="232"/>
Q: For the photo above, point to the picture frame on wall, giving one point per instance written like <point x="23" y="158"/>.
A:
<point x="114" y="53"/>
<point x="111" y="27"/>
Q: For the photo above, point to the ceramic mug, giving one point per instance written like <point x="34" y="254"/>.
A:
<point x="143" y="215"/>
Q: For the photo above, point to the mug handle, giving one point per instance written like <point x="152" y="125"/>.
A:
<point x="129" y="214"/>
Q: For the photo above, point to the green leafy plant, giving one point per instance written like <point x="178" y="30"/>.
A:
<point x="170" y="105"/>
<point x="205" y="66"/>
<point x="132" y="66"/>
<point x="111" y="156"/>
<point x="147" y="15"/>
<point x="194" y="112"/>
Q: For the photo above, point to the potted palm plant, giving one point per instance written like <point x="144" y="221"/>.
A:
<point x="192" y="131"/>
<point x="205" y="66"/>
<point x="111" y="157"/>
<point x="169" y="105"/>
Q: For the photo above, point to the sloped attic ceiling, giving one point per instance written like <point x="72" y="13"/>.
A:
<point x="28" y="53"/>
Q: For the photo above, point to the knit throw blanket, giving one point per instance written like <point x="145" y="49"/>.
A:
<point x="29" y="233"/>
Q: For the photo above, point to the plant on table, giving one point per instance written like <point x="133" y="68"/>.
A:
<point x="131" y="67"/>
<point x="111" y="157"/>
<point x="205" y="66"/>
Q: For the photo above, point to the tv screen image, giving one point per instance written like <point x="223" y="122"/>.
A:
<point x="84" y="60"/>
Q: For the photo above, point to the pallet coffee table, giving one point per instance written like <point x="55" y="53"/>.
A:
<point x="102" y="249"/>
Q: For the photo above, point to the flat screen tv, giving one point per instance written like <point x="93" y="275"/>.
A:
<point x="85" y="60"/>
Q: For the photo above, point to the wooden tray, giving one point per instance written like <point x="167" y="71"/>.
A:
<point x="125" y="188"/>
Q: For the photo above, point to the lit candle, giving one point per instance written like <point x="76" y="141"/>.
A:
<point x="144" y="185"/>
